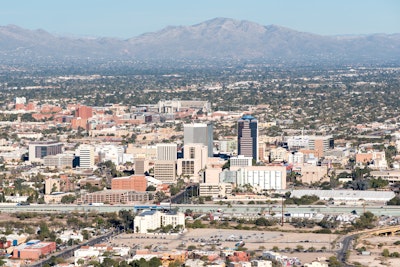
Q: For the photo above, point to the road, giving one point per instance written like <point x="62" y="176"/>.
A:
<point x="341" y="255"/>
<point x="346" y="242"/>
<point x="234" y="209"/>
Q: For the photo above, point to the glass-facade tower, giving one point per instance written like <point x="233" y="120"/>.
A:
<point x="248" y="137"/>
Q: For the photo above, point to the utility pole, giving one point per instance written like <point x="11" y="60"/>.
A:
<point x="282" y="212"/>
<point x="364" y="206"/>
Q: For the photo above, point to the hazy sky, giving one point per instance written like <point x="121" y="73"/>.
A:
<point x="129" y="18"/>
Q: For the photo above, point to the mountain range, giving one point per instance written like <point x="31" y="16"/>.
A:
<point x="215" y="39"/>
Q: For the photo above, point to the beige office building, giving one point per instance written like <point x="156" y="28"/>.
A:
<point x="193" y="162"/>
<point x="165" y="171"/>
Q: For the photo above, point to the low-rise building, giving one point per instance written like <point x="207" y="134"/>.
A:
<point x="133" y="182"/>
<point x="56" y="197"/>
<point x="60" y="161"/>
<point x="67" y="235"/>
<point x="33" y="250"/>
<point x="215" y="190"/>
<point x="312" y="174"/>
<point x="153" y="219"/>
<point x="346" y="195"/>
<point x="316" y="264"/>
<point x="392" y="176"/>
<point x="374" y="159"/>
<point x="114" y="197"/>
<point x="261" y="263"/>
<point x="241" y="161"/>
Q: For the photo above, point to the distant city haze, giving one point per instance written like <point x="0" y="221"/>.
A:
<point x="127" y="19"/>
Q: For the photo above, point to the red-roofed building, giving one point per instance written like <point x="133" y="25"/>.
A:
<point x="35" y="251"/>
<point x="239" y="256"/>
<point x="84" y="112"/>
<point x="134" y="182"/>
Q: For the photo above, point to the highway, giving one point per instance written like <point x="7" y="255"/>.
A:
<point x="234" y="209"/>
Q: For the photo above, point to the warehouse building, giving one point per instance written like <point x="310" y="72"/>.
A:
<point x="346" y="195"/>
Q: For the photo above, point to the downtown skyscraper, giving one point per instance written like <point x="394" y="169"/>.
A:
<point x="199" y="133"/>
<point x="248" y="137"/>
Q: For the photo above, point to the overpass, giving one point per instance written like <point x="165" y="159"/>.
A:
<point x="387" y="231"/>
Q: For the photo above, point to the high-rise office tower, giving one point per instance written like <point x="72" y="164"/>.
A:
<point x="199" y="133"/>
<point x="141" y="165"/>
<point x="86" y="156"/>
<point x="167" y="152"/>
<point x="194" y="160"/>
<point x="248" y="137"/>
<point x="84" y="112"/>
<point x="40" y="149"/>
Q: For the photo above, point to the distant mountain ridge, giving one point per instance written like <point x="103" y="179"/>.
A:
<point x="215" y="39"/>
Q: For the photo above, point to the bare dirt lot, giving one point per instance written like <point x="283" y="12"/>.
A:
<point x="375" y="245"/>
<point x="215" y="239"/>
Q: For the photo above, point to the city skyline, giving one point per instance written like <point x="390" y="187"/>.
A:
<point x="125" y="19"/>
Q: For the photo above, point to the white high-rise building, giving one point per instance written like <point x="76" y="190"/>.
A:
<point x="86" y="156"/>
<point x="262" y="177"/>
<point x="166" y="152"/>
<point x="199" y="133"/>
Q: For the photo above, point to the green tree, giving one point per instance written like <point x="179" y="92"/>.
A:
<point x="378" y="183"/>
<point x="3" y="240"/>
<point x="108" y="262"/>
<point x="68" y="199"/>
<point x="390" y="153"/>
<point x="160" y="196"/>
<point x="385" y="253"/>
<point x="227" y="165"/>
<point x="175" y="264"/>
<point x="196" y="224"/>
<point x="174" y="190"/>
<point x="264" y="222"/>
<point x="86" y="235"/>
<point x="394" y="201"/>
<point x="127" y="218"/>
<point x="44" y="231"/>
<point x="151" y="188"/>
<point x="366" y="221"/>
<point x="334" y="262"/>
<point x="191" y="247"/>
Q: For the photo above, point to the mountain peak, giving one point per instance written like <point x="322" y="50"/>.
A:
<point x="217" y="38"/>
<point x="230" y="24"/>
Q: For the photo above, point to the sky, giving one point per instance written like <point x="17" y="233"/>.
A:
<point x="129" y="18"/>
